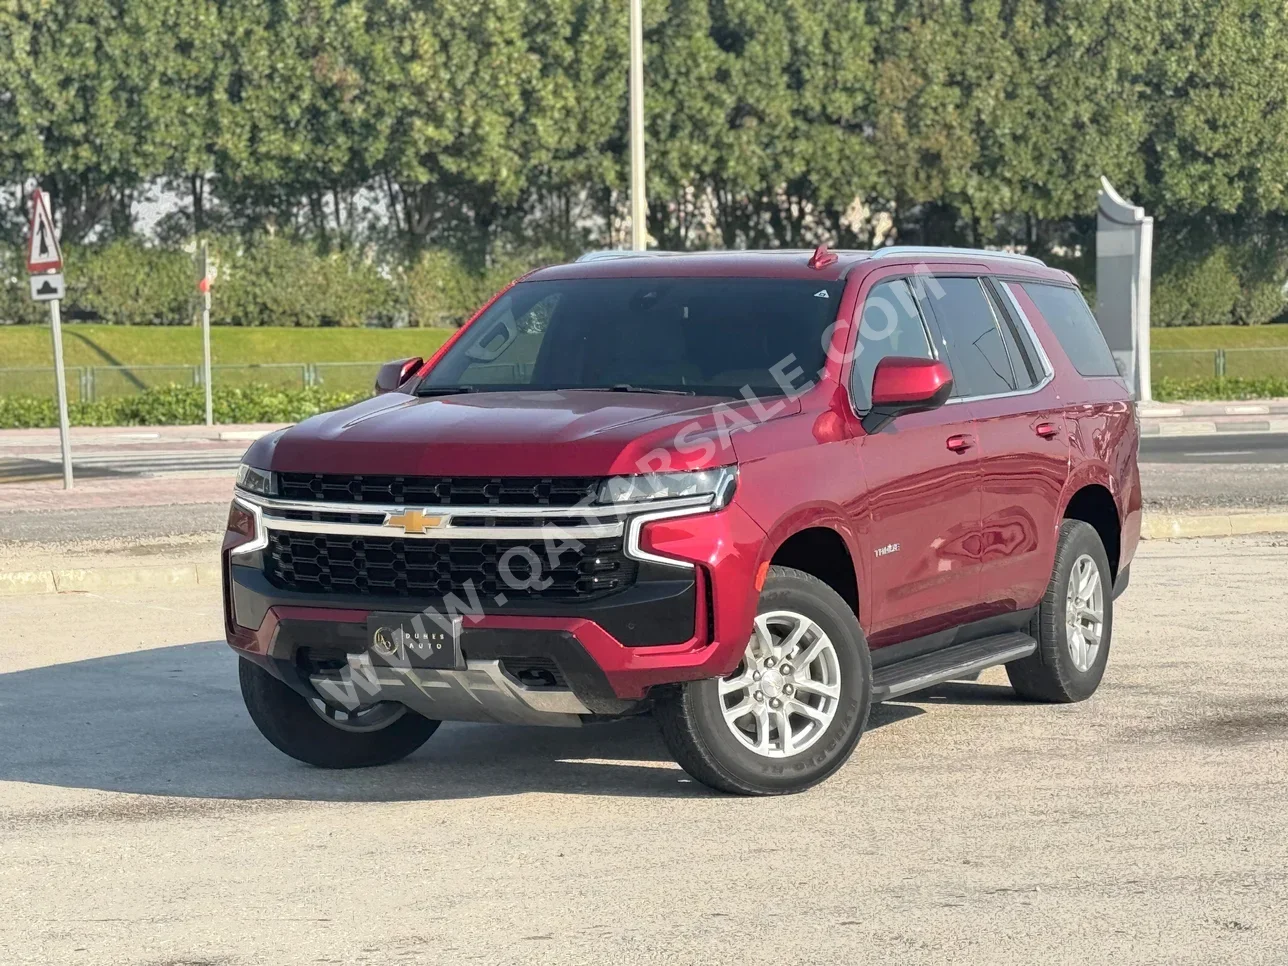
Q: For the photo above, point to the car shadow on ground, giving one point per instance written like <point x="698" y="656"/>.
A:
<point x="964" y="693"/>
<point x="170" y="721"/>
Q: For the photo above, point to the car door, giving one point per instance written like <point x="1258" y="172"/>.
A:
<point x="922" y="485"/>
<point x="1006" y="378"/>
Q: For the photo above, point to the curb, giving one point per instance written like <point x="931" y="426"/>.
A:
<point x="1164" y="526"/>
<point x="88" y="581"/>
<point x="1154" y="526"/>
<point x="1155" y="428"/>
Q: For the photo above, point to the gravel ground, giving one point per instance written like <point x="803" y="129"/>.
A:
<point x="146" y="822"/>
<point x="1185" y="487"/>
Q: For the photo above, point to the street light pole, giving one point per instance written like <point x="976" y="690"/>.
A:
<point x="639" y="224"/>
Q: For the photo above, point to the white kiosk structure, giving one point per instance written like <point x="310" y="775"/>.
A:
<point x="1124" y="252"/>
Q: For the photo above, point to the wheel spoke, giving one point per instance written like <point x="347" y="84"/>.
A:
<point x="1078" y="648"/>
<point x="800" y="707"/>
<point x="784" y="732"/>
<point x="832" y="691"/>
<point x="740" y="683"/>
<point x="746" y="706"/>
<point x="1087" y="580"/>
<point x="811" y="652"/>
<point x="788" y="646"/>
<point x="762" y="729"/>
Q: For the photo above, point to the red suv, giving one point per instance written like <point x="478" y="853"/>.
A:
<point x="750" y="493"/>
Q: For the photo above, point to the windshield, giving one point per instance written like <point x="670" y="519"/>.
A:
<point x="707" y="336"/>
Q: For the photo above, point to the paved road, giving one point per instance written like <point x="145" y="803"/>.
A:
<point x="145" y="822"/>
<point x="1216" y="448"/>
<point x="126" y="462"/>
<point x="1194" y="473"/>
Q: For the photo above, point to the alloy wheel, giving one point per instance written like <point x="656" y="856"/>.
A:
<point x="372" y="717"/>
<point x="1084" y="613"/>
<point x="785" y="693"/>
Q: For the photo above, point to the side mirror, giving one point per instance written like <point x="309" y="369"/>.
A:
<point x="905" y="385"/>
<point x="392" y="375"/>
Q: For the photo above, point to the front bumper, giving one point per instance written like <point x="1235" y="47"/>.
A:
<point x="682" y="621"/>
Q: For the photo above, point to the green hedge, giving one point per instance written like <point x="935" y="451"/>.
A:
<point x="177" y="406"/>
<point x="276" y="281"/>
<point x="263" y="281"/>
<point x="1202" y="281"/>
<point x="1174" y="390"/>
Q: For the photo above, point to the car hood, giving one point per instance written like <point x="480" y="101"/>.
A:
<point x="565" y="433"/>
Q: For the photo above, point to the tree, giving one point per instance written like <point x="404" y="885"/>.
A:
<point x="81" y="106"/>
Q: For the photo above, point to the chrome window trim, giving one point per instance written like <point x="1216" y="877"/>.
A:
<point x="1048" y="371"/>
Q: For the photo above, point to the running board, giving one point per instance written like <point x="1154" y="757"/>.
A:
<point x="917" y="673"/>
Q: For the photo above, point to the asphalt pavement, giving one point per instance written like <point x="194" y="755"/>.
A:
<point x="1221" y="448"/>
<point x="146" y="822"/>
<point x="1180" y="474"/>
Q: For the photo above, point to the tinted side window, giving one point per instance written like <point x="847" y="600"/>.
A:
<point x="891" y="326"/>
<point x="976" y="351"/>
<point x="1024" y="362"/>
<point x="1074" y="326"/>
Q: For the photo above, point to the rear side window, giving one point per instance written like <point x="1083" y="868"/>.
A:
<point x="976" y="349"/>
<point x="1024" y="361"/>
<point x="1074" y="326"/>
<point x="891" y="326"/>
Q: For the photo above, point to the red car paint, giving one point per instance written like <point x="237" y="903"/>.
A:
<point x="971" y="494"/>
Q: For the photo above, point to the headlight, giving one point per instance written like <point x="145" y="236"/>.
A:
<point x="717" y="484"/>
<point x="259" y="482"/>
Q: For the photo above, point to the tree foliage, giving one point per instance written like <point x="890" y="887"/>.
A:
<point x="493" y="129"/>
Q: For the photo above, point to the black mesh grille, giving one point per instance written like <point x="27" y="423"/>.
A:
<point x="439" y="490"/>
<point x="399" y="567"/>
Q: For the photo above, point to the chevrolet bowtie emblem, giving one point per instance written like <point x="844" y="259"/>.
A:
<point x="415" y="521"/>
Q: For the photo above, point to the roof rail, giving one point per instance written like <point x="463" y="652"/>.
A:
<point x="618" y="253"/>
<point x="934" y="252"/>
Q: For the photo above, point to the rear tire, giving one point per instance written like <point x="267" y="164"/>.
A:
<point x="820" y="704"/>
<point x="1067" y="667"/>
<point x="294" y="727"/>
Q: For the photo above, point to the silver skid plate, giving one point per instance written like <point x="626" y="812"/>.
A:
<point x="482" y="692"/>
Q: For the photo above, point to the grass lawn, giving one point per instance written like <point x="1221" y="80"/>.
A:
<point x="113" y="345"/>
<point x="122" y="345"/>
<point x="118" y="345"/>
<point x="1219" y="337"/>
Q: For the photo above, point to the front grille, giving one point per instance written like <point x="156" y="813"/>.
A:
<point x="399" y="567"/>
<point x="536" y="491"/>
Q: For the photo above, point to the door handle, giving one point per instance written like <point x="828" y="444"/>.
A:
<point x="1046" y="430"/>
<point x="961" y="442"/>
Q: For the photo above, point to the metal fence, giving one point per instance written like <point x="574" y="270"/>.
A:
<point x="88" y="383"/>
<point x="1220" y="363"/>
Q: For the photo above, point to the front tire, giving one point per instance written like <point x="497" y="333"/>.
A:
<point x="792" y="712"/>
<point x="317" y="734"/>
<point x="1073" y="625"/>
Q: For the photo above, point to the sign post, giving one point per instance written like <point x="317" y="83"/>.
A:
<point x="203" y="285"/>
<point x="639" y="207"/>
<point x="45" y="265"/>
<point x="1124" y="254"/>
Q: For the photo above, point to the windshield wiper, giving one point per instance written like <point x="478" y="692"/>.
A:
<point x="627" y="387"/>
<point x="444" y="390"/>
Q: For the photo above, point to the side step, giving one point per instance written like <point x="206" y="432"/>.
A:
<point x="958" y="661"/>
